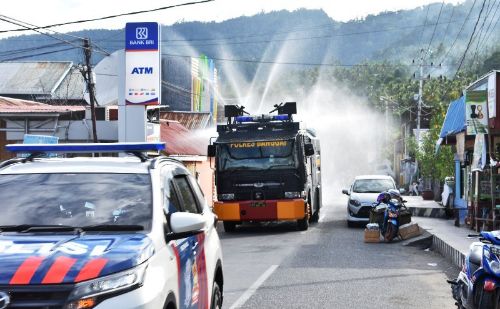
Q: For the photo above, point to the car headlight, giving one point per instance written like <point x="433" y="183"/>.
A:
<point x="226" y="197"/>
<point x="294" y="194"/>
<point x="354" y="202"/>
<point x="89" y="293"/>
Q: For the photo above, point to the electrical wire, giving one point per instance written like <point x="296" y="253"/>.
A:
<point x="459" y="32"/>
<point x="110" y="16"/>
<point x="470" y="40"/>
<point x="434" y="31"/>
<point x="289" y="63"/>
<point x="39" y="54"/>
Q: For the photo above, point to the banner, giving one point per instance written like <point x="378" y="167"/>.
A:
<point x="492" y="91"/>
<point x="476" y="113"/>
<point x="479" y="157"/>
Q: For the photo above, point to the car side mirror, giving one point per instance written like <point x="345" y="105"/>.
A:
<point x="345" y="192"/>
<point x="184" y="224"/>
<point x="308" y="150"/>
<point x="211" y="151"/>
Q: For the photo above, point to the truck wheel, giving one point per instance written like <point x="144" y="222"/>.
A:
<point x="303" y="224"/>
<point x="229" y="226"/>
<point x="315" y="215"/>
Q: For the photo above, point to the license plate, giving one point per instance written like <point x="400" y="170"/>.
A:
<point x="258" y="204"/>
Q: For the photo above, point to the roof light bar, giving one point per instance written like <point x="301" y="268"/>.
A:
<point x="85" y="147"/>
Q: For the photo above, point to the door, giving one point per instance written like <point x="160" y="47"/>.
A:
<point x="193" y="267"/>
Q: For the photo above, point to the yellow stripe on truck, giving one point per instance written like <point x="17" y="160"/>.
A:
<point x="291" y="210"/>
<point x="227" y="211"/>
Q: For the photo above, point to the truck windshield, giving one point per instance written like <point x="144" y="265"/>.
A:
<point x="76" y="199"/>
<point x="372" y="185"/>
<point x="257" y="155"/>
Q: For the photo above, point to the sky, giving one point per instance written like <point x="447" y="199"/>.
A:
<point x="55" y="11"/>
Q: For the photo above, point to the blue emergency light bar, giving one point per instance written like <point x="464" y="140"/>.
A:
<point x="85" y="147"/>
<point x="242" y="119"/>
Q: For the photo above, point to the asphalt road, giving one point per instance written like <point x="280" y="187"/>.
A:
<point x="329" y="266"/>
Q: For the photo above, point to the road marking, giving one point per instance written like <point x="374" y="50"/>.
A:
<point x="255" y="286"/>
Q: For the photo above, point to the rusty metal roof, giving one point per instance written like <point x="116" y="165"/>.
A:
<point x="38" y="78"/>
<point x="18" y="106"/>
<point x="190" y="120"/>
<point x="180" y="140"/>
<point x="72" y="87"/>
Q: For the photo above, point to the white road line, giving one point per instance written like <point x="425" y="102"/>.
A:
<point x="255" y="286"/>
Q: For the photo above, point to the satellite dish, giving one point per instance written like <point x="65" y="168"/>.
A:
<point x="106" y="79"/>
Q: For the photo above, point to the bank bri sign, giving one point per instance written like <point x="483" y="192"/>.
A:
<point x="142" y="64"/>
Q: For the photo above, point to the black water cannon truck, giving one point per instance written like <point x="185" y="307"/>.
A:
<point x="267" y="168"/>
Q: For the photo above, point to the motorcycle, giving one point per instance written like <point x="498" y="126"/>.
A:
<point x="478" y="284"/>
<point x="390" y="222"/>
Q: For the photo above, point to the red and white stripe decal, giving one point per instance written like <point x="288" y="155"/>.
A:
<point x="91" y="270"/>
<point x="26" y="271"/>
<point x="58" y="270"/>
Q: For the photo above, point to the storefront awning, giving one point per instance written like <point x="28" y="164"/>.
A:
<point x="454" y="121"/>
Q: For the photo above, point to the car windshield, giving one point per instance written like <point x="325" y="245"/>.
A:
<point x="257" y="155"/>
<point x="372" y="185"/>
<point x="76" y="199"/>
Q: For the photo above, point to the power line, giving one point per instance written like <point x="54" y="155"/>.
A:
<point x="434" y="31"/>
<point x="223" y="43"/>
<point x="459" y="32"/>
<point x="489" y="30"/>
<point x="291" y="63"/>
<point x="489" y="9"/>
<point x="39" y="54"/>
<point x="110" y="16"/>
<point x="471" y="38"/>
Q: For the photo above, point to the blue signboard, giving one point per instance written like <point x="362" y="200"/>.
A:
<point x="141" y="36"/>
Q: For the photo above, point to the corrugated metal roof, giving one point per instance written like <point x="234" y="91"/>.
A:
<point x="72" y="87"/>
<point x="41" y="77"/>
<point x="454" y="122"/>
<point x="180" y="140"/>
<point x="190" y="120"/>
<point x="18" y="106"/>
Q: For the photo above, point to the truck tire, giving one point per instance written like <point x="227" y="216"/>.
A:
<point x="315" y="215"/>
<point x="229" y="226"/>
<point x="303" y="224"/>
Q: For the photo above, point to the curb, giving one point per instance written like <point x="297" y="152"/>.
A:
<point x="423" y="241"/>
<point x="447" y="251"/>
<point x="428" y="212"/>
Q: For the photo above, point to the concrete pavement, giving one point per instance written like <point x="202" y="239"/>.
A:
<point x="447" y="239"/>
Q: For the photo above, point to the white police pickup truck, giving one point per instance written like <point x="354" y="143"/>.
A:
<point x="120" y="232"/>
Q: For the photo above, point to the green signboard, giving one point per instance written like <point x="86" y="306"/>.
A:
<point x="476" y="112"/>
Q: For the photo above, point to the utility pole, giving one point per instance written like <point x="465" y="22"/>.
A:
<point x="420" y="102"/>
<point x="87" y="74"/>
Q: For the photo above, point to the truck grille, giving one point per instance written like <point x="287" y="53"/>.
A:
<point x="37" y="296"/>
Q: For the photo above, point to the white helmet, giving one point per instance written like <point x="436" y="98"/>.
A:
<point x="394" y="193"/>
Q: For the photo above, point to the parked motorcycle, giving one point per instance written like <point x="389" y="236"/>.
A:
<point x="478" y="284"/>
<point x="389" y="226"/>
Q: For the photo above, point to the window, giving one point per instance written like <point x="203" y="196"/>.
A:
<point x="76" y="199"/>
<point x="186" y="195"/>
<point x="197" y="190"/>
